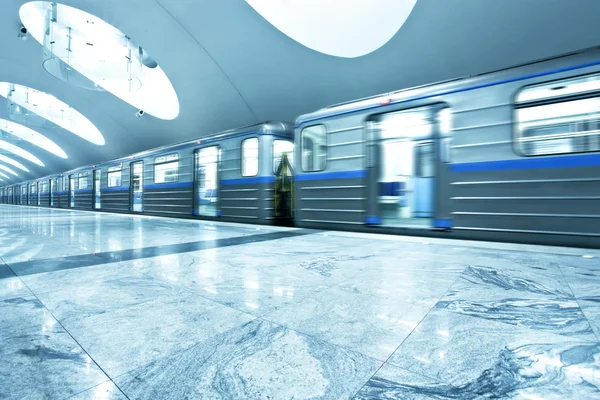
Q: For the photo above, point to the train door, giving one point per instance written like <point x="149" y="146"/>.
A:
<point x="97" y="188"/>
<point x="71" y="191"/>
<point x="52" y="188"/>
<point x="137" y="186"/>
<point x="403" y="163"/>
<point x="206" y="181"/>
<point x="283" y="191"/>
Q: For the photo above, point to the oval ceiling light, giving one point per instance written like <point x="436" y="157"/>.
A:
<point x="12" y="162"/>
<point x="342" y="28"/>
<point x="31" y="136"/>
<point x="20" y="152"/>
<point x="100" y="54"/>
<point x="49" y="108"/>
<point x="10" y="171"/>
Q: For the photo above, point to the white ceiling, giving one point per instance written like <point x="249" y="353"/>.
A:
<point x="231" y="67"/>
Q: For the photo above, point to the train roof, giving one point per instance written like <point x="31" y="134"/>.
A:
<point x="268" y="127"/>
<point x="430" y="89"/>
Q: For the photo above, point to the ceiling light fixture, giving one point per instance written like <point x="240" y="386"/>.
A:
<point x="12" y="162"/>
<point x="20" y="152"/>
<point x="342" y="28"/>
<point x="84" y="50"/>
<point x="31" y="106"/>
<point x="31" y="136"/>
<point x="4" y="175"/>
<point x="10" y="171"/>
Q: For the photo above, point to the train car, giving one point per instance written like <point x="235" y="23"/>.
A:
<point x="229" y="175"/>
<point x="512" y="155"/>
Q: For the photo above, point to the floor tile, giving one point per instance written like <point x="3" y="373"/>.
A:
<point x="106" y="292"/>
<point x="591" y="310"/>
<point x="259" y="360"/>
<point x="13" y="287"/>
<point x="261" y="292"/>
<point x="411" y="282"/>
<point x="19" y="313"/>
<point x="536" y="381"/>
<point x="391" y="382"/>
<point x="460" y="350"/>
<point x="373" y="326"/>
<point x="104" y="391"/>
<point x="45" y="363"/>
<point x="127" y="338"/>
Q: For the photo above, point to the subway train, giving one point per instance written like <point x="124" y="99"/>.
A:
<point x="512" y="155"/>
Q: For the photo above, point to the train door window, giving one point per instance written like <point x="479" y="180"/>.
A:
<point x="206" y="161"/>
<point x="250" y="157"/>
<point x="114" y="176"/>
<point x="313" y="147"/>
<point x="406" y="163"/>
<point x="137" y="186"/>
<point x="71" y="191"/>
<point x="558" y="117"/>
<point x="281" y="147"/>
<point x="52" y="186"/>
<point x="83" y="180"/>
<point x="166" y="168"/>
<point x="24" y="195"/>
<point x="32" y="193"/>
<point x="97" y="189"/>
<point x="45" y="189"/>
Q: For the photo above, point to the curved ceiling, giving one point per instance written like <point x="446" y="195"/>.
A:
<point x="231" y="66"/>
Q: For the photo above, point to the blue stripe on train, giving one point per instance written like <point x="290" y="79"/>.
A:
<point x="317" y="176"/>
<point x="115" y="189"/>
<point x="585" y="160"/>
<point x="173" y="185"/>
<point x="249" y="180"/>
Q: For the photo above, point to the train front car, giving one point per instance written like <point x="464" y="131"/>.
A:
<point x="227" y="176"/>
<point x="512" y="155"/>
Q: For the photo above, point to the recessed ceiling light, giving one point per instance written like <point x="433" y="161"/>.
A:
<point x="51" y="109"/>
<point x="588" y="256"/>
<point x="15" y="163"/>
<point x="20" y="152"/>
<point x="100" y="65"/>
<point x="10" y="171"/>
<point x="31" y="136"/>
<point x="342" y="28"/>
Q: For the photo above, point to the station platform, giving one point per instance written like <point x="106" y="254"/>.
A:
<point x="106" y="306"/>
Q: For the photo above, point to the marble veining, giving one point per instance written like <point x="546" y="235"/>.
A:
<point x="103" y="306"/>
<point x="259" y="360"/>
<point x="540" y="371"/>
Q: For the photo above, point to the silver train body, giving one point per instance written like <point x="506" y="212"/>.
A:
<point x="512" y="155"/>
<point x="205" y="178"/>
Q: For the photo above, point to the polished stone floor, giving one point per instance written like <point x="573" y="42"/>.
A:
<point x="101" y="306"/>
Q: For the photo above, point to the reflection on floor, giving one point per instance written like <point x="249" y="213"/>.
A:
<point x="116" y="307"/>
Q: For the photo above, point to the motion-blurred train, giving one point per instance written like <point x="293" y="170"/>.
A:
<point x="512" y="155"/>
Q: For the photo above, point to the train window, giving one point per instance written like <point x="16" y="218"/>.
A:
<point x="114" y="178"/>
<point x="279" y="148"/>
<point x="166" y="168"/>
<point x="250" y="157"/>
<point x="424" y="160"/>
<point x="33" y="188"/>
<point x="83" y="180"/>
<point x="44" y="187"/>
<point x="313" y="141"/>
<point x="553" y="118"/>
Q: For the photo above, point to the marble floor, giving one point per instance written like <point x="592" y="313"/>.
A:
<point x="102" y="306"/>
